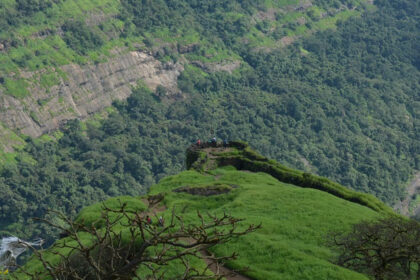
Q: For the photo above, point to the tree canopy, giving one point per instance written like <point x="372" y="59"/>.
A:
<point x="342" y="103"/>
<point x="385" y="249"/>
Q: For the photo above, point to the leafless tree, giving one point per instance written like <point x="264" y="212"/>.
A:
<point x="122" y="243"/>
<point x="385" y="249"/>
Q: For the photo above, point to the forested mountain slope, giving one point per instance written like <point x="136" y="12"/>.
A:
<point x="66" y="59"/>
<point x="342" y="101"/>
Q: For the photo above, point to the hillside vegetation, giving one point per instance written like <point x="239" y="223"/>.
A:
<point x="42" y="35"/>
<point x="242" y="157"/>
<point x="341" y="101"/>
<point x="296" y="221"/>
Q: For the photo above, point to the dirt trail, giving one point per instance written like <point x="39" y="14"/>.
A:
<point x="412" y="189"/>
<point x="157" y="208"/>
<point x="212" y="150"/>
<point x="222" y="269"/>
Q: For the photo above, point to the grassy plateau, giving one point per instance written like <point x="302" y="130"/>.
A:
<point x="296" y="221"/>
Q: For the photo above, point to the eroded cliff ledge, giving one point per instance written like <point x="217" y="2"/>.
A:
<point x="85" y="90"/>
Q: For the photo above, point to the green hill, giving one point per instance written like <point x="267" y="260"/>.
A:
<point x="327" y="86"/>
<point x="296" y="220"/>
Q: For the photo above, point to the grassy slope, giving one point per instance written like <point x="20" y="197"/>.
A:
<point x="240" y="155"/>
<point x="7" y="139"/>
<point x="296" y="221"/>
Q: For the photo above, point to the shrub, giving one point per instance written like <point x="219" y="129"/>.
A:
<point x="80" y="37"/>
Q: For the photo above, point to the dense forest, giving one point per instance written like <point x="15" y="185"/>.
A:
<point x="342" y="103"/>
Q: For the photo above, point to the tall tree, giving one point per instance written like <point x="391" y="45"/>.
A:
<point x="385" y="249"/>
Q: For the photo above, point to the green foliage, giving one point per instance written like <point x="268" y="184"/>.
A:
<point x="35" y="29"/>
<point x="246" y="159"/>
<point x="385" y="249"/>
<point x="16" y="88"/>
<point x="29" y="7"/>
<point x="295" y="222"/>
<point x="7" y="158"/>
<point x="334" y="103"/>
<point x="92" y="215"/>
<point x="34" y="117"/>
<point x="48" y="80"/>
<point x="79" y="37"/>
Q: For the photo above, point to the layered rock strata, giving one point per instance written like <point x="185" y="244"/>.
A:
<point x="85" y="90"/>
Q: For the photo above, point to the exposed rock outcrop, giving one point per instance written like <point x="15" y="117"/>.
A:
<point x="85" y="90"/>
<point x="227" y="66"/>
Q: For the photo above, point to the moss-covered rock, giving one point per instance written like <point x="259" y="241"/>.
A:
<point x="242" y="157"/>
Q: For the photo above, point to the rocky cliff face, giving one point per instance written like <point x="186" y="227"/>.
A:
<point x="85" y="90"/>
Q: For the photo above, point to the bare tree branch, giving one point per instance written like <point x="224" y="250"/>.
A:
<point x="385" y="249"/>
<point x="115" y="246"/>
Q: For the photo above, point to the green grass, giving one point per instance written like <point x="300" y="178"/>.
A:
<point x="303" y="51"/>
<point x="92" y="214"/>
<point x="96" y="119"/>
<point x="7" y="159"/>
<point x="49" y="79"/>
<point x="330" y="22"/>
<point x="279" y="3"/>
<point x="12" y="140"/>
<point x="34" y="117"/>
<point x="244" y="158"/>
<point x="258" y="39"/>
<point x="296" y="222"/>
<point x="16" y="88"/>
